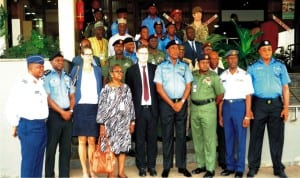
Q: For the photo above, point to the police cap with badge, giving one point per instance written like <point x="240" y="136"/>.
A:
<point x="157" y="23"/>
<point x="264" y="43"/>
<point x="203" y="57"/>
<point x="152" y="36"/>
<point x="231" y="53"/>
<point x="119" y="41"/>
<point x="171" y="43"/>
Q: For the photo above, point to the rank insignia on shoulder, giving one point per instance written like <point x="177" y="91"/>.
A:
<point x="279" y="60"/>
<point x="252" y="62"/>
<point x="46" y="72"/>
<point x="24" y="81"/>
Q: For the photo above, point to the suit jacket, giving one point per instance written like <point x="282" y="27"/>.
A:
<point x="133" y="79"/>
<point x="220" y="71"/>
<point x="190" y="53"/>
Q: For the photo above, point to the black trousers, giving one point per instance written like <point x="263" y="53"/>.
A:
<point x="171" y="120"/>
<point x="266" y="113"/>
<point x="221" y="144"/>
<point x="59" y="133"/>
<point x="146" y="139"/>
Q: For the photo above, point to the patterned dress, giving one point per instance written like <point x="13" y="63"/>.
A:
<point x="115" y="111"/>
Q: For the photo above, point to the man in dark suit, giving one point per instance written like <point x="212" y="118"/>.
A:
<point x="214" y="66"/>
<point x="140" y="79"/>
<point x="193" y="49"/>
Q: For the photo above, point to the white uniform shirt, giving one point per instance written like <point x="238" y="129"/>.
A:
<point x="236" y="85"/>
<point x="28" y="99"/>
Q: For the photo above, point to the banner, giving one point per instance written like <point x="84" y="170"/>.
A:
<point x="288" y="9"/>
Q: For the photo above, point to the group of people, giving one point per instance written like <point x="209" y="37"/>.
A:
<point x="120" y="86"/>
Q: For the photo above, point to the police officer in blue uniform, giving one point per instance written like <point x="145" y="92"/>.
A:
<point x="61" y="99"/>
<point x="270" y="107"/>
<point x="235" y="113"/>
<point x="170" y="35"/>
<point x="27" y="110"/>
<point x="173" y="83"/>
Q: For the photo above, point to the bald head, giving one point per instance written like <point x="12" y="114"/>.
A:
<point x="214" y="59"/>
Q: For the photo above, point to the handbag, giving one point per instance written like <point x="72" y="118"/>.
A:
<point x="103" y="161"/>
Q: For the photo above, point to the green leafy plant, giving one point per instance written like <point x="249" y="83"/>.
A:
<point x="247" y="49"/>
<point x="38" y="44"/>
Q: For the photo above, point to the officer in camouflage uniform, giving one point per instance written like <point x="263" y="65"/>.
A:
<point x="155" y="56"/>
<point x="207" y="92"/>
<point x="118" y="58"/>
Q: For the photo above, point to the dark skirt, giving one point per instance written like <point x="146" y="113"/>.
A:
<point x="84" y="120"/>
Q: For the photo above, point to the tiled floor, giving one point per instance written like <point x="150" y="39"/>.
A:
<point x="265" y="172"/>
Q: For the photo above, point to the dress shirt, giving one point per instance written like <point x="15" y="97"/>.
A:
<point x="28" y="99"/>
<point x="173" y="77"/>
<point x="163" y="43"/>
<point x="268" y="79"/>
<point x="236" y="85"/>
<point x="149" y="23"/>
<point x="59" y="87"/>
<point x="131" y="56"/>
<point x="193" y="45"/>
<point x="143" y="102"/>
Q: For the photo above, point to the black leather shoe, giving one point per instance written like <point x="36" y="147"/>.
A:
<point x="227" y="172"/>
<point x="209" y="174"/>
<point x="198" y="170"/>
<point x="238" y="175"/>
<point x="251" y="173"/>
<point x="142" y="172"/>
<point x="152" y="172"/>
<point x="185" y="172"/>
<point x="280" y="174"/>
<point x="165" y="173"/>
<point x="222" y="165"/>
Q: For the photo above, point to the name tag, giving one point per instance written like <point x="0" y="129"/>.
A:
<point x="122" y="107"/>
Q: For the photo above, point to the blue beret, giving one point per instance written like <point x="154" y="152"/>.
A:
<point x="172" y="42"/>
<point x="35" y="59"/>
<point x="231" y="53"/>
<point x="264" y="43"/>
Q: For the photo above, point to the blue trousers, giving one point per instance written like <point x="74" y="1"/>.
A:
<point x="33" y="138"/>
<point x="235" y="134"/>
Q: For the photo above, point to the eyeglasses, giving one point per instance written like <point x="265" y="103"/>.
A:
<point x="88" y="55"/>
<point x="118" y="71"/>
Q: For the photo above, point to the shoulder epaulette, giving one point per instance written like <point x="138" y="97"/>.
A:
<point x="252" y="62"/>
<point x="279" y="60"/>
<point x="46" y="72"/>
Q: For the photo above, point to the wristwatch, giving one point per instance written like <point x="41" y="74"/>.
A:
<point x="71" y="110"/>
<point x="182" y="100"/>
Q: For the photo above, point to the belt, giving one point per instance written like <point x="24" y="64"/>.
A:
<point x="33" y="120"/>
<point x="146" y="106"/>
<point x="234" y="100"/>
<point x="267" y="100"/>
<point x="176" y="100"/>
<point x="202" y="102"/>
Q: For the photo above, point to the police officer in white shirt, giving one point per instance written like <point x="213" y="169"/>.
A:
<point x="27" y="111"/>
